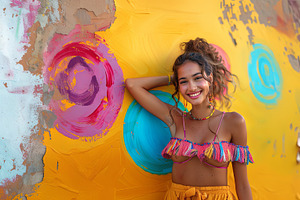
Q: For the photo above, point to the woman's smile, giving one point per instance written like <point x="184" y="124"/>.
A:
<point x="194" y="95"/>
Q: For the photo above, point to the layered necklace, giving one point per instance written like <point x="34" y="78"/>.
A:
<point x="200" y="119"/>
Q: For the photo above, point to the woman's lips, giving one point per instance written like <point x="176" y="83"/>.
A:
<point x="194" y="95"/>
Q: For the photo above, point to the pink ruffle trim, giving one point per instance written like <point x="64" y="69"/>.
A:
<point x="221" y="151"/>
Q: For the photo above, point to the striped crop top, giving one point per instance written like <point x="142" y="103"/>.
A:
<point x="222" y="151"/>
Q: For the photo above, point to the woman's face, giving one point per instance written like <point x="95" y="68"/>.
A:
<point x="192" y="85"/>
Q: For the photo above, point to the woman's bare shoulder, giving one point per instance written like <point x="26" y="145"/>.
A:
<point x="235" y="123"/>
<point x="234" y="118"/>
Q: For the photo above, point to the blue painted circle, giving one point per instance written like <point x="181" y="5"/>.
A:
<point x="145" y="136"/>
<point x="265" y="76"/>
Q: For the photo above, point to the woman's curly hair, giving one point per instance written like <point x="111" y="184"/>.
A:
<point x="210" y="61"/>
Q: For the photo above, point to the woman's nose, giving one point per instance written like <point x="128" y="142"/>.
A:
<point x="192" y="86"/>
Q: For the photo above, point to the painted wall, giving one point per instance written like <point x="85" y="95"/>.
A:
<point x="70" y="130"/>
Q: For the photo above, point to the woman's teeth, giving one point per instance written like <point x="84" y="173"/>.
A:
<point x="195" y="94"/>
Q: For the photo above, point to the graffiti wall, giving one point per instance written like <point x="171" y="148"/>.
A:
<point x="70" y="130"/>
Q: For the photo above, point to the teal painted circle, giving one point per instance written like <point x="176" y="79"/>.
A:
<point x="145" y="136"/>
<point x="265" y="76"/>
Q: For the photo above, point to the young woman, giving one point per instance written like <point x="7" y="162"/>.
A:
<point x="204" y="140"/>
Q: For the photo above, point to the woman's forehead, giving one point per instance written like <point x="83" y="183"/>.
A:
<point x="189" y="68"/>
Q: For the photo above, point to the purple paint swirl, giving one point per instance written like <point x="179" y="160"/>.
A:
<point x="87" y="97"/>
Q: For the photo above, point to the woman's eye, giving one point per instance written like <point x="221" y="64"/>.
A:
<point x="182" y="82"/>
<point x="199" y="77"/>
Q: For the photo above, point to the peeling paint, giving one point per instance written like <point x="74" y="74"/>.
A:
<point x="83" y="16"/>
<point x="294" y="7"/>
<point x="20" y="164"/>
<point x="232" y="39"/>
<point x="28" y="10"/>
<point x="266" y="12"/>
<point x="283" y="154"/>
<point x="220" y="20"/>
<point x="233" y="28"/>
<point x="246" y="13"/>
<point x="226" y="10"/>
<point x="295" y="62"/>
<point x="250" y="36"/>
<point x="101" y="14"/>
<point x="47" y="119"/>
<point x="47" y="94"/>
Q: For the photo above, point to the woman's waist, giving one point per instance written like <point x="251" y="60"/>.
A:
<point x="178" y="187"/>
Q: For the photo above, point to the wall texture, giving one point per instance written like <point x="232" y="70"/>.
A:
<point x="70" y="130"/>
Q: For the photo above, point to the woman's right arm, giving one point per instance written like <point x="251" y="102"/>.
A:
<point x="138" y="88"/>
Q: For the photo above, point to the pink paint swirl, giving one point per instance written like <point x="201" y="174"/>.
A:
<point x="83" y="73"/>
<point x="223" y="55"/>
<point x="225" y="60"/>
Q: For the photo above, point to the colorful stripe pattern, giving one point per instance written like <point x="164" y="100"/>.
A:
<point x="221" y="151"/>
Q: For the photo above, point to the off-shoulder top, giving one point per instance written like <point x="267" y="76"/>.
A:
<point x="222" y="151"/>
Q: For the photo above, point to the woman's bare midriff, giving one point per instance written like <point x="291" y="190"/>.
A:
<point x="196" y="173"/>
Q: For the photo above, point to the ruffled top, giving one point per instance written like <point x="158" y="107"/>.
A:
<point x="220" y="151"/>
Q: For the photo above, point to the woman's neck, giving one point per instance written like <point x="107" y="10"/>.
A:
<point x="202" y="110"/>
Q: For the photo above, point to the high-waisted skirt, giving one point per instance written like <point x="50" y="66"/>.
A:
<point x="183" y="192"/>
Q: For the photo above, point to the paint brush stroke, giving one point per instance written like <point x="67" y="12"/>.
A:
<point x="145" y="136"/>
<point x="264" y="75"/>
<point x="88" y="83"/>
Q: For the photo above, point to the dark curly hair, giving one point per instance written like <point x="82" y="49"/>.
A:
<point x="210" y="61"/>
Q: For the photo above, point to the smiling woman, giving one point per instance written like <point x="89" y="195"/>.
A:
<point x="192" y="82"/>
<point x="205" y="139"/>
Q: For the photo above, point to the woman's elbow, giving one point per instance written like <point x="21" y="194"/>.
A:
<point x="129" y="83"/>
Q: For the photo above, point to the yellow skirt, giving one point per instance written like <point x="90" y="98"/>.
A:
<point x="183" y="192"/>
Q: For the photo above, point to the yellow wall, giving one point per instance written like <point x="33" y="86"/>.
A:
<point x="144" y="38"/>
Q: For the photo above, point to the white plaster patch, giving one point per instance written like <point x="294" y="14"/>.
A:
<point x="18" y="103"/>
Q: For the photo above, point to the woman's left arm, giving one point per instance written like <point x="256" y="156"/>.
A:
<point x="239" y="137"/>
